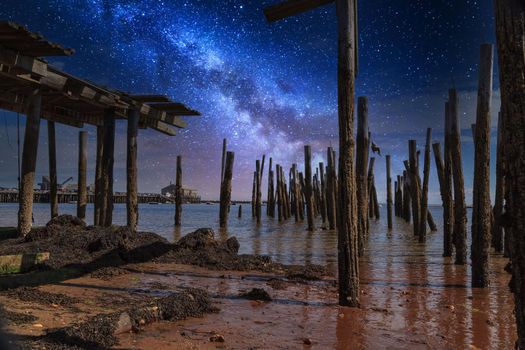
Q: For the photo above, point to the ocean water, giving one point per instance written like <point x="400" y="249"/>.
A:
<point x="286" y="242"/>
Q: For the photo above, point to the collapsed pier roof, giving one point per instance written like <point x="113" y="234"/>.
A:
<point x="68" y="99"/>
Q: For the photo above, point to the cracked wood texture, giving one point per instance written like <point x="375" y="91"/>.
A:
<point x="510" y="33"/>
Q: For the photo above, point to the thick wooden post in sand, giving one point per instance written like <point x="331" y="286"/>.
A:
<point x="254" y="193"/>
<point x="348" y="271"/>
<point x="424" y="190"/>
<point x="239" y="214"/>
<point x="278" y="193"/>
<point x="481" y="210"/>
<point x="226" y="189"/>
<point x="308" y="187"/>
<point x="223" y="159"/>
<point x="373" y="205"/>
<point x="414" y="185"/>
<point x="388" y="193"/>
<point x="53" y="185"/>
<point x="330" y="190"/>
<point x="497" y="228"/>
<point x="296" y="195"/>
<point x="510" y="33"/>
<point x="107" y="169"/>
<point x="132" y="206"/>
<point x="82" y="184"/>
<point x="406" y="196"/>
<point x="446" y="197"/>
<point x="178" y="193"/>
<point x="460" y="208"/>
<point x="29" y="154"/>
<point x="99" y="183"/>
<point x="322" y="192"/>
<point x="362" y="180"/>
<point x="258" y="194"/>
<point x="270" y="206"/>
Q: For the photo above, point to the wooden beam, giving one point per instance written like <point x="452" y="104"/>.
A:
<point x="150" y="98"/>
<point x="292" y="7"/>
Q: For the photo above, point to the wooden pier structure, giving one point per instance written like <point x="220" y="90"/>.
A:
<point x="29" y="85"/>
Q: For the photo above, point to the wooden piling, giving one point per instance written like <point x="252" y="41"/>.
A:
<point x="29" y="154"/>
<point x="223" y="159"/>
<point x="370" y="186"/>
<point x="107" y="169"/>
<point x="414" y="185"/>
<point x="460" y="208"/>
<point x="445" y="199"/>
<point x="254" y="193"/>
<point x="278" y="193"/>
<point x="226" y="189"/>
<point x="388" y="193"/>
<point x="270" y="207"/>
<point x="481" y="210"/>
<point x="239" y="215"/>
<point x="53" y="184"/>
<point x="361" y="167"/>
<point x="258" y="195"/>
<point x="178" y="192"/>
<point x="407" y="202"/>
<point x="330" y="190"/>
<point x="82" y="183"/>
<point x="424" y="190"/>
<point x="308" y="187"/>
<point x="497" y="228"/>
<point x="323" y="192"/>
<point x="510" y="34"/>
<point x="348" y="261"/>
<point x="99" y="183"/>
<point x="132" y="206"/>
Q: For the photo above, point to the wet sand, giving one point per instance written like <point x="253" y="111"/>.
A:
<point x="412" y="297"/>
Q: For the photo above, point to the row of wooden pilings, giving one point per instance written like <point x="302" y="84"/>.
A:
<point x="103" y="213"/>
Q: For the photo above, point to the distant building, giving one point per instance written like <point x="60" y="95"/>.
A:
<point x="188" y="195"/>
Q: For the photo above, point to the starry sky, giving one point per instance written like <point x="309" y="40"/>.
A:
<point x="268" y="88"/>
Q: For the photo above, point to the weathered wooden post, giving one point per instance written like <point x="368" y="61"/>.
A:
<point x="460" y="208"/>
<point x="107" y="169"/>
<point x="407" y="202"/>
<point x="510" y="34"/>
<point x="446" y="197"/>
<point x="223" y="159"/>
<point x="239" y="215"/>
<point x="278" y="192"/>
<point x="301" y="196"/>
<point x="308" y="187"/>
<point x="178" y="192"/>
<point x="270" y="206"/>
<point x="132" y="206"/>
<point x="361" y="167"/>
<point x="99" y="183"/>
<point x="226" y="189"/>
<point x="497" y="228"/>
<point x="388" y="193"/>
<point x="296" y="193"/>
<point x="254" y="193"/>
<point x="414" y="185"/>
<point x="323" y="192"/>
<point x="330" y="195"/>
<point x="82" y="184"/>
<point x="258" y="195"/>
<point x="348" y="271"/>
<point x="424" y="191"/>
<point x="53" y="185"/>
<point x="481" y="210"/>
<point x="29" y="153"/>
<point x="370" y="185"/>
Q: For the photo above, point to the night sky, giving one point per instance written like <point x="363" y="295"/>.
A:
<point x="268" y="88"/>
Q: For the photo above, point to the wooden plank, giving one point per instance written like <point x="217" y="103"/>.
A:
<point x="175" y="108"/>
<point x="292" y="7"/>
<point x="150" y="98"/>
<point x="159" y="126"/>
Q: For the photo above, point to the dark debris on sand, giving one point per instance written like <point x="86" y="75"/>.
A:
<point x="35" y="295"/>
<point x="16" y="318"/>
<point x="99" y="332"/>
<point x="257" y="294"/>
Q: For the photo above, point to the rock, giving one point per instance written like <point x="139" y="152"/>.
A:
<point x="257" y="294"/>
<point x="124" y="324"/>
<point x="231" y="245"/>
<point x="307" y="341"/>
<point x="217" y="338"/>
<point x="201" y="239"/>
<point x="38" y="325"/>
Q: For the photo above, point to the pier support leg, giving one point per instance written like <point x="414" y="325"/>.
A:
<point x="178" y="198"/>
<point x="29" y="154"/>
<point x="53" y="186"/>
<point x="107" y="168"/>
<point x="99" y="184"/>
<point x="226" y="189"/>
<point x="362" y="188"/>
<point x="82" y="184"/>
<point x="308" y="187"/>
<point x="388" y="193"/>
<point x="132" y="207"/>
<point x="425" y="215"/>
